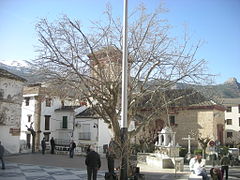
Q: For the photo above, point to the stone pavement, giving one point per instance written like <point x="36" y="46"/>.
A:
<point x="16" y="171"/>
<point x="61" y="167"/>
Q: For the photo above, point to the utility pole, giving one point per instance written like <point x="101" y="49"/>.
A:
<point x="124" y="126"/>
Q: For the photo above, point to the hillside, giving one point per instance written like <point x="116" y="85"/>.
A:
<point x="229" y="89"/>
<point x="22" y="71"/>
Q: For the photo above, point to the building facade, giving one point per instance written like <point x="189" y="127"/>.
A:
<point x="11" y="92"/>
<point x="50" y="117"/>
<point x="38" y="113"/>
<point x="198" y="121"/>
<point x="232" y="121"/>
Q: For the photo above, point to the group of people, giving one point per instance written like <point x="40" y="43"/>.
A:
<point x="93" y="161"/>
<point x="72" y="146"/>
<point x="197" y="166"/>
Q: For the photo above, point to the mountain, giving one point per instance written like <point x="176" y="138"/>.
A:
<point x="20" y="69"/>
<point x="229" y="89"/>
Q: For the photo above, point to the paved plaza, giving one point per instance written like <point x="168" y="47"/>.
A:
<point x="15" y="171"/>
<point x="61" y="167"/>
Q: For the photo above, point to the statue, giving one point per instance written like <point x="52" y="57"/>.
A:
<point x="33" y="133"/>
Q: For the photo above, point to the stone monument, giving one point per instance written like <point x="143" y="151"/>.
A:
<point x="166" y="154"/>
<point x="166" y="142"/>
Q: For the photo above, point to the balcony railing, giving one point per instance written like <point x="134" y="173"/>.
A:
<point x="62" y="142"/>
<point x="84" y="136"/>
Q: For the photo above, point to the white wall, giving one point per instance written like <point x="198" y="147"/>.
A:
<point x="10" y="112"/>
<point x="235" y="128"/>
<point x="27" y="111"/>
<point x="234" y="115"/>
<point x="93" y="129"/>
<point x="100" y="134"/>
<point x="105" y="133"/>
<point x="57" y="130"/>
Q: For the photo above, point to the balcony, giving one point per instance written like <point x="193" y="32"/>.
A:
<point x="84" y="136"/>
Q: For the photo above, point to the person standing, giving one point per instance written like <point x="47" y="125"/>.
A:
<point x="43" y="144"/>
<point x="88" y="149"/>
<point x="52" y="142"/>
<point x="110" y="155"/>
<point x="1" y="155"/>
<point x="72" y="146"/>
<point x="225" y="162"/>
<point x="93" y="163"/>
<point x="110" y="160"/>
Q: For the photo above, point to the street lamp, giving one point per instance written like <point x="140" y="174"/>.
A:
<point x="124" y="129"/>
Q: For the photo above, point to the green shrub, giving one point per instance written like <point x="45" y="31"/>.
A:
<point x="183" y="152"/>
<point x="223" y="150"/>
<point x="198" y="151"/>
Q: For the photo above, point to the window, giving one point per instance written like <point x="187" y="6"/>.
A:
<point x="229" y="134"/>
<point x="85" y="133"/>
<point x="29" y="117"/>
<point x="27" y="100"/>
<point x="229" y="109"/>
<point x="172" y="120"/>
<point x="47" y="135"/>
<point x="65" y="122"/>
<point x="229" y="121"/>
<point x="47" y="122"/>
<point x="48" y="102"/>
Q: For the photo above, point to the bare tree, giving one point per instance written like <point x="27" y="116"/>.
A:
<point x="203" y="141"/>
<point x="90" y="63"/>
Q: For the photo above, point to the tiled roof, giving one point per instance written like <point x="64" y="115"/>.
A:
<point x="67" y="108"/>
<point x="231" y="101"/>
<point x="89" y="112"/>
<point x="7" y="74"/>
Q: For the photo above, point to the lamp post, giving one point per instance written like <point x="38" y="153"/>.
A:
<point x="124" y="129"/>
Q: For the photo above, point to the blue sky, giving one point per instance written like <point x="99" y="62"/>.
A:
<point x="215" y="22"/>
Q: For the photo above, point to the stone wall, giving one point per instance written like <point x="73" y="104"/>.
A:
<point x="10" y="113"/>
<point x="196" y="122"/>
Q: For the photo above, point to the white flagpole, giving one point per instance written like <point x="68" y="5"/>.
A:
<point x="124" y="126"/>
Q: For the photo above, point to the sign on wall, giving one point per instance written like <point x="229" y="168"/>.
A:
<point x="14" y="131"/>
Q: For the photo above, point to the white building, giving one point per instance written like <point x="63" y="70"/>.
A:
<point x="91" y="130"/>
<point x="38" y="109"/>
<point x="11" y="91"/>
<point x="64" y="122"/>
<point x="232" y="120"/>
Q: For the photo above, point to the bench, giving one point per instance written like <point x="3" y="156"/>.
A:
<point x="61" y="149"/>
<point x="194" y="177"/>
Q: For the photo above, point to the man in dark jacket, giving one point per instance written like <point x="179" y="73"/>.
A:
<point x="225" y="162"/>
<point x="43" y="144"/>
<point x="52" y="142"/>
<point x="72" y="146"/>
<point x="110" y="160"/>
<point x="93" y="163"/>
<point x="1" y="155"/>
